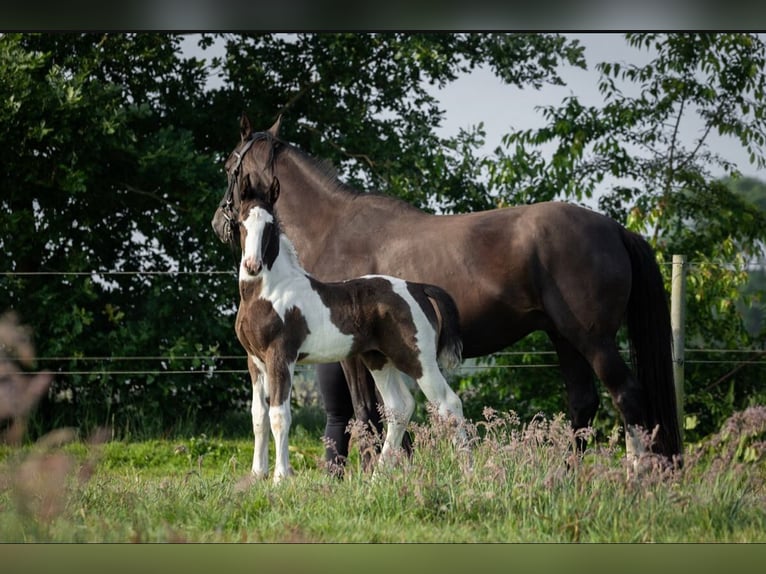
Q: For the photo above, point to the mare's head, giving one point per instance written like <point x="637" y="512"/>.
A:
<point x="258" y="227"/>
<point x="251" y="163"/>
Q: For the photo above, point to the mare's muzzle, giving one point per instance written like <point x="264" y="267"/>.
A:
<point x="225" y="226"/>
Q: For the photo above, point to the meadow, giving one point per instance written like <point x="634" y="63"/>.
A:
<point x="524" y="485"/>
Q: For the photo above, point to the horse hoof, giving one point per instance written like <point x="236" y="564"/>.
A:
<point x="259" y="474"/>
<point x="282" y="475"/>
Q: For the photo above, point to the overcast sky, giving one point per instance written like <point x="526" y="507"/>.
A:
<point x="481" y="96"/>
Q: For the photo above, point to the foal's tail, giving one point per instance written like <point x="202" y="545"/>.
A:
<point x="649" y="329"/>
<point x="450" y="346"/>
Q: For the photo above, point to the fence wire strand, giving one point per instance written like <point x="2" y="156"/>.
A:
<point x="485" y="364"/>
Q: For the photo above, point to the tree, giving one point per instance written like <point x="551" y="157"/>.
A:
<point x="98" y="166"/>
<point x="113" y="162"/>
<point x="360" y="101"/>
<point x="629" y="150"/>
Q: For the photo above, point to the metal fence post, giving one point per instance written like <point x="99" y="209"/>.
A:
<point x="677" y="321"/>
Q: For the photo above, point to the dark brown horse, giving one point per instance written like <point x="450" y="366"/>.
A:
<point x="555" y="267"/>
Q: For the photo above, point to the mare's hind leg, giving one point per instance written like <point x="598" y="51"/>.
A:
<point x="260" y="414"/>
<point x="339" y="411"/>
<point x="582" y="394"/>
<point x="399" y="406"/>
<point x="627" y="393"/>
<point x="361" y="387"/>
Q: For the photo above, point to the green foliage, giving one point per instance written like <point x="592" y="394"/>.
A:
<point x="753" y="304"/>
<point x="524" y="380"/>
<point x="360" y="101"/>
<point x="103" y="173"/>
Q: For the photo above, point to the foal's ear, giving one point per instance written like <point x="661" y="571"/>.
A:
<point x="274" y="130"/>
<point x="244" y="127"/>
<point x="274" y="191"/>
<point x="246" y="188"/>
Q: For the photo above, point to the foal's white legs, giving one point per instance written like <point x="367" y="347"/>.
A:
<point x="399" y="405"/>
<point x="437" y="390"/>
<point x="278" y="417"/>
<point x="281" y="417"/>
<point x="280" y="427"/>
<point x="260" y="415"/>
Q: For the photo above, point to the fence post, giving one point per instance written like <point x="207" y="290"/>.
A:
<point x="677" y="322"/>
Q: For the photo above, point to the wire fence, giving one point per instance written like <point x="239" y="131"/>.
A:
<point x="211" y="364"/>
<point x="233" y="270"/>
<point x="170" y="272"/>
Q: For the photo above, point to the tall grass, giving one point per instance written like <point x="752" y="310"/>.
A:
<point x="523" y="483"/>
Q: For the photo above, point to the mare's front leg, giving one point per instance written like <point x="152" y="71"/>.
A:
<point x="260" y="413"/>
<point x="280" y="380"/>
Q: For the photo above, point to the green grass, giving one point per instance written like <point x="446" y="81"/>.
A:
<point x="524" y="486"/>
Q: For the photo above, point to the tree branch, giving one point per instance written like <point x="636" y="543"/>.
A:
<point x="673" y="140"/>
<point x="153" y="196"/>
<point x="345" y="152"/>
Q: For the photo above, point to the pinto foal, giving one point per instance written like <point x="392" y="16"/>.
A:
<point x="286" y="316"/>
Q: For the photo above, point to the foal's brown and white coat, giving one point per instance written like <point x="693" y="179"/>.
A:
<point x="286" y="316"/>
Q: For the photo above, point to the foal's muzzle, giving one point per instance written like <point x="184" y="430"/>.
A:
<point x="252" y="265"/>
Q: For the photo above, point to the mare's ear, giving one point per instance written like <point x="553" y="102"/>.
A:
<point x="274" y="191"/>
<point x="244" y="127"/>
<point x="274" y="130"/>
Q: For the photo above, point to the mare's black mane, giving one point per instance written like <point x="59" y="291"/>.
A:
<point x="328" y="172"/>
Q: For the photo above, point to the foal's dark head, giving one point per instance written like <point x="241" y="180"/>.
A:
<point x="258" y="227"/>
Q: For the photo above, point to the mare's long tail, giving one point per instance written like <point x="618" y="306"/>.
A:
<point x="450" y="345"/>
<point x="649" y="329"/>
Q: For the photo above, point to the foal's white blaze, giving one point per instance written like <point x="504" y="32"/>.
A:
<point x="255" y="224"/>
<point x="286" y="287"/>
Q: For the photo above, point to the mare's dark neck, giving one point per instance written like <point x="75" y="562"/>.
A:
<point x="312" y="203"/>
<point x="336" y="231"/>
